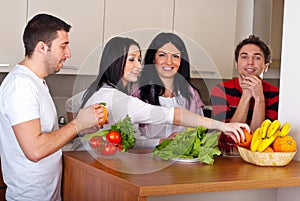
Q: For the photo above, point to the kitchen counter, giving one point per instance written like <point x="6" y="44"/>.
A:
<point x="86" y="179"/>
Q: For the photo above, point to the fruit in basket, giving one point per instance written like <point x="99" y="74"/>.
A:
<point x="256" y="139"/>
<point x="248" y="137"/>
<point x="285" y="129"/>
<point x="264" y="127"/>
<point x="267" y="142"/>
<point x="264" y="136"/>
<point x="270" y="145"/>
<point x="266" y="158"/>
<point x="284" y="144"/>
<point x="273" y="128"/>
<point x="269" y="149"/>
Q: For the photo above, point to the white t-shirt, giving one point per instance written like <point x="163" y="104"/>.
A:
<point x="23" y="97"/>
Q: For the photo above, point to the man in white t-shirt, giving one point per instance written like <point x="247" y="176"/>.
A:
<point x="30" y="139"/>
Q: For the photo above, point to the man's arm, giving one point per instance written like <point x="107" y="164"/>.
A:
<point x="242" y="109"/>
<point x="221" y="108"/>
<point x="252" y="87"/>
<point x="37" y="145"/>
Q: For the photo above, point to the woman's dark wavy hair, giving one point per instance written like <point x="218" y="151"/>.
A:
<point x="151" y="86"/>
<point x="112" y="65"/>
<point x="252" y="39"/>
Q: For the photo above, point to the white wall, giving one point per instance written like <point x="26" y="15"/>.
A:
<point x="289" y="106"/>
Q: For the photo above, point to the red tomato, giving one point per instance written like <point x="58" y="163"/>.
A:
<point x="95" y="141"/>
<point x="120" y="146"/>
<point x="109" y="149"/>
<point x="113" y="137"/>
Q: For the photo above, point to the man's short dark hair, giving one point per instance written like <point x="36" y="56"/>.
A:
<point x="42" y="27"/>
<point x="252" y="39"/>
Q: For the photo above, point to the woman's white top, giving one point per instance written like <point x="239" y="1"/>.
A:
<point x="120" y="104"/>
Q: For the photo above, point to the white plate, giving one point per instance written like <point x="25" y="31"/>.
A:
<point x="187" y="160"/>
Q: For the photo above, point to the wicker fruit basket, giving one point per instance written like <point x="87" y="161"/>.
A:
<point x="266" y="158"/>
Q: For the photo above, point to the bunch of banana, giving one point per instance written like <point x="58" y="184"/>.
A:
<point x="266" y="134"/>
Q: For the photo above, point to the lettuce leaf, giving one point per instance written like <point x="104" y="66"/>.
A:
<point x="194" y="143"/>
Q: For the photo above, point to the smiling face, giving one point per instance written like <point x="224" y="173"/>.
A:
<point x="167" y="61"/>
<point x="133" y="65"/>
<point x="58" y="53"/>
<point x="251" y="61"/>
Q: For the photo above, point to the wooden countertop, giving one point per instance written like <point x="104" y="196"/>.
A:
<point x="227" y="173"/>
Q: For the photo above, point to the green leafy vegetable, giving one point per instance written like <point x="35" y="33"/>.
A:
<point x="193" y="143"/>
<point x="124" y="127"/>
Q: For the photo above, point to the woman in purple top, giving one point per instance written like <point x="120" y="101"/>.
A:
<point x="165" y="81"/>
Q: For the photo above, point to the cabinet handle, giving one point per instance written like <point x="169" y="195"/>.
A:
<point x="4" y="65"/>
<point x="71" y="67"/>
<point x="199" y="72"/>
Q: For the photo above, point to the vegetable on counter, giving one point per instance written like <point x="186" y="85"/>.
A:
<point x="96" y="141"/>
<point x="121" y="134"/>
<point x="114" y="137"/>
<point x="193" y="143"/>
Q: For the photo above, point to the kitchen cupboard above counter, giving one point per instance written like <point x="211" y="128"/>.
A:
<point x="12" y="22"/>
<point x="210" y="28"/>
<point x="86" y="19"/>
<point x="210" y="45"/>
<point x="86" y="179"/>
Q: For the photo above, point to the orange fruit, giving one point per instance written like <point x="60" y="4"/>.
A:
<point x="248" y="137"/>
<point x="105" y="111"/>
<point x="269" y="149"/>
<point x="284" y="144"/>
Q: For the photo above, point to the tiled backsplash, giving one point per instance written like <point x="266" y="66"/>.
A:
<point x="64" y="86"/>
<point x="60" y="105"/>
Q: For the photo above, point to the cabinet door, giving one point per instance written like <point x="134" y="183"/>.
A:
<point x="140" y="20"/>
<point x="209" y="28"/>
<point x="86" y="18"/>
<point x="12" y="23"/>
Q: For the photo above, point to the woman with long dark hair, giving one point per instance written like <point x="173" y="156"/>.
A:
<point x="165" y="81"/>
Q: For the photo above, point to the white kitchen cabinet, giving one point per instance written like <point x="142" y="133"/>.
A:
<point x="12" y="23"/>
<point x="140" y="20"/>
<point x="86" y="18"/>
<point x="276" y="32"/>
<point x="209" y="27"/>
